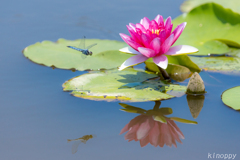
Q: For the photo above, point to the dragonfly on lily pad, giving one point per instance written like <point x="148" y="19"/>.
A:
<point x="85" y="51"/>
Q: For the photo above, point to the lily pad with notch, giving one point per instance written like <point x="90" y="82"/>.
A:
<point x="58" y="55"/>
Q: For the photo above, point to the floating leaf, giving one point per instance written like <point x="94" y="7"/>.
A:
<point x="183" y="120"/>
<point x="231" y="98"/>
<point x="181" y="60"/>
<point x="210" y="28"/>
<point x="105" y="54"/>
<point x="188" y="5"/>
<point x="107" y="85"/>
<point x="226" y="65"/>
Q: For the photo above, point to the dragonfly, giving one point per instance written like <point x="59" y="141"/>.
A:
<point x="80" y="140"/>
<point x="85" y="51"/>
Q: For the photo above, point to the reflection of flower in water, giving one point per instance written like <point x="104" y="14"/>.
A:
<point x="145" y="129"/>
<point x="153" y="127"/>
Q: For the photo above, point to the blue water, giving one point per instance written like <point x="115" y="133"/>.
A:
<point x="37" y="117"/>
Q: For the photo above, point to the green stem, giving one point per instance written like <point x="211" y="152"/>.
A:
<point x="164" y="73"/>
<point x="157" y="105"/>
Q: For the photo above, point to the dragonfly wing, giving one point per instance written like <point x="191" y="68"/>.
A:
<point x="83" y="56"/>
<point x="75" y="146"/>
<point x="82" y="43"/>
<point x="78" y="49"/>
<point x="83" y="141"/>
<point x="91" y="46"/>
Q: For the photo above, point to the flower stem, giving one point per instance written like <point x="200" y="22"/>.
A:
<point x="164" y="73"/>
<point x="157" y="105"/>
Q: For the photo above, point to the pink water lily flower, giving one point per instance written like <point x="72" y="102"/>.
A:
<point x="153" y="39"/>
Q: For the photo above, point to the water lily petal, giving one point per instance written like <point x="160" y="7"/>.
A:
<point x="125" y="129"/>
<point x="144" y="129"/>
<point x="153" y="25"/>
<point x="131" y="134"/>
<point x="156" y="45"/>
<point x="137" y="120"/>
<point x="178" y="31"/>
<point x="161" y="61"/>
<point x="134" y="35"/>
<point x="125" y="37"/>
<point x="146" y="39"/>
<point x="178" y="131"/>
<point x="169" y="30"/>
<point x="133" y="61"/>
<point x="147" y="52"/>
<point x="129" y="50"/>
<point x="144" y="141"/>
<point x="153" y="36"/>
<point x="168" y="26"/>
<point x="175" y="135"/>
<point x="149" y="33"/>
<point x="166" y="135"/>
<point x="141" y="27"/>
<point x="181" y="49"/>
<point x="130" y="41"/>
<point x="162" y="36"/>
<point x="133" y="26"/>
<point x="154" y="134"/>
<point x="168" y="21"/>
<point x="167" y="44"/>
<point x="139" y="31"/>
<point x="146" y="22"/>
<point x="159" y="20"/>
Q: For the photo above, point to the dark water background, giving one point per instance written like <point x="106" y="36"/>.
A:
<point x="37" y="117"/>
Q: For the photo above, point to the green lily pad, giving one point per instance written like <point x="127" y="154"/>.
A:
<point x="188" y="5"/>
<point x="107" y="85"/>
<point x="210" y="28"/>
<point x="231" y="96"/>
<point x="226" y="65"/>
<point x="105" y="54"/>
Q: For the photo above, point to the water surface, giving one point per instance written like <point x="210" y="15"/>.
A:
<point x="37" y="117"/>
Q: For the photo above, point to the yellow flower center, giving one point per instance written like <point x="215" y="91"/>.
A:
<point x="157" y="31"/>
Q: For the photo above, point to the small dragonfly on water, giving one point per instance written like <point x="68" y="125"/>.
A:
<point x="85" y="51"/>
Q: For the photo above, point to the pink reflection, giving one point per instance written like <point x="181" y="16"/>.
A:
<point x="145" y="129"/>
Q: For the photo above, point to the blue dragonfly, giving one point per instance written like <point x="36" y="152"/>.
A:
<point x="85" y="51"/>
